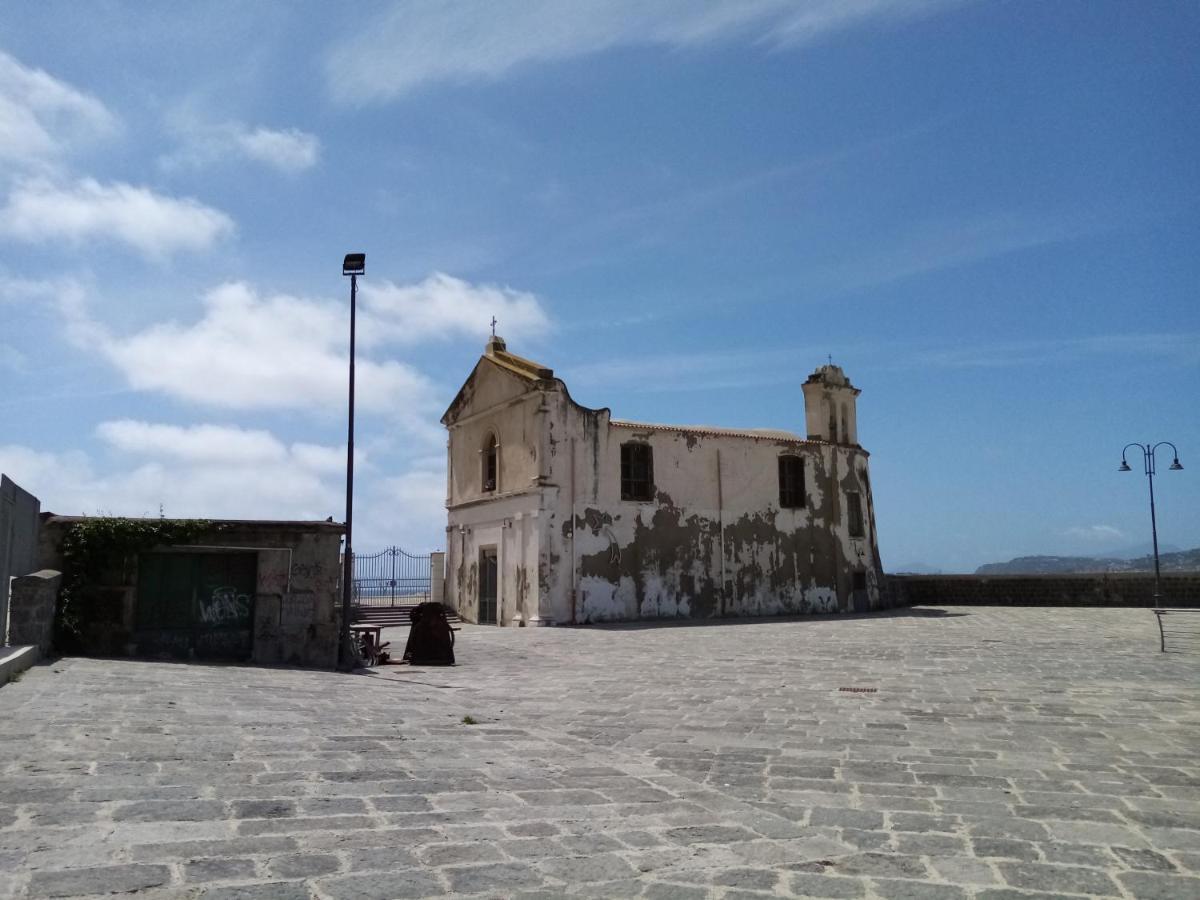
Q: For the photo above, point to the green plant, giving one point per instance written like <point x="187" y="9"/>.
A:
<point x="98" y="552"/>
<point x="470" y="720"/>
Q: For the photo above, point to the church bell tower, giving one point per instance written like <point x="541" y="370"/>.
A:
<point x="829" y="406"/>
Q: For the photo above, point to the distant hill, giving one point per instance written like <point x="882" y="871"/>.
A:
<point x="916" y="568"/>
<point x="1182" y="561"/>
<point x="1138" y="551"/>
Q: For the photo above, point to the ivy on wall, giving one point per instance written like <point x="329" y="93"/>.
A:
<point x="98" y="555"/>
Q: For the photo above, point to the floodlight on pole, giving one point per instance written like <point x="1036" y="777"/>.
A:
<point x="354" y="264"/>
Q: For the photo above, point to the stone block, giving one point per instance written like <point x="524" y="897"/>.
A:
<point x="304" y="865"/>
<point x="1046" y="877"/>
<point x="98" y="880"/>
<point x="398" y="885"/>
<point x="218" y="869"/>
<point x="278" y="890"/>
<point x="493" y="879"/>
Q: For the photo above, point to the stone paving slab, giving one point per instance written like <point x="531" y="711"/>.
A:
<point x="989" y="753"/>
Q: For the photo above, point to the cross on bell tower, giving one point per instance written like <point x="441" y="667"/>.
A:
<point x="493" y="326"/>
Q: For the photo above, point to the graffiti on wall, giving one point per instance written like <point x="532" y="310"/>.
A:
<point x="223" y="606"/>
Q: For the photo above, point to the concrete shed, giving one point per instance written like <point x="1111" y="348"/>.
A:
<point x="257" y="591"/>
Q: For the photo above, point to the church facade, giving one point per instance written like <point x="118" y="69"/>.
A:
<point x="560" y="514"/>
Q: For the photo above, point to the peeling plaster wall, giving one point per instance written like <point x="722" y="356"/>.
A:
<point x="706" y="545"/>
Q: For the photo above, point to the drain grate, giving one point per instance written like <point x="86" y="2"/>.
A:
<point x="858" y="690"/>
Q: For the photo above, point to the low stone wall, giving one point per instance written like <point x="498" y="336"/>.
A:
<point x="31" y="609"/>
<point x="1116" y="589"/>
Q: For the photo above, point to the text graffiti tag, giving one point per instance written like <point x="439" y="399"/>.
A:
<point x="225" y="605"/>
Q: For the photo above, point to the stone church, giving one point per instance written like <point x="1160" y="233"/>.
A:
<point x="561" y="514"/>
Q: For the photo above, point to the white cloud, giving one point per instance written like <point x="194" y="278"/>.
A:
<point x="414" y="43"/>
<point x="198" y="471"/>
<point x="291" y="150"/>
<point x="40" y="472"/>
<point x="41" y="118"/>
<point x="254" y="352"/>
<point x="221" y="445"/>
<point x="18" y="290"/>
<point x="152" y="223"/>
<point x="211" y="444"/>
<point x="221" y="471"/>
<point x="1096" y="534"/>
<point x="420" y="493"/>
<point x="442" y="306"/>
<point x="248" y="351"/>
<point x="288" y="150"/>
<point x="257" y="352"/>
<point x="325" y="459"/>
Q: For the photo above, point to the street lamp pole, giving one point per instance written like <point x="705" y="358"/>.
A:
<point x="353" y="265"/>
<point x="1148" y="451"/>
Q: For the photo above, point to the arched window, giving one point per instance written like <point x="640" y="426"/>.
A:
<point x="491" y="468"/>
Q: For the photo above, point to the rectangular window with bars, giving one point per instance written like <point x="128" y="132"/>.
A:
<point x="791" y="482"/>
<point x="637" y="472"/>
<point x="854" y="513"/>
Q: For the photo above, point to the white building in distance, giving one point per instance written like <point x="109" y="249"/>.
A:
<point x="560" y="514"/>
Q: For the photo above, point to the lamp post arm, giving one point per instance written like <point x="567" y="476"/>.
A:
<point x="1174" y="449"/>
<point x="1143" y="447"/>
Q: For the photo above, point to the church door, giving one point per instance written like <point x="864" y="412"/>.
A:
<point x="488" y="577"/>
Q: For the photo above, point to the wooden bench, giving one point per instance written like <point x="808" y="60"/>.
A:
<point x="1180" y="623"/>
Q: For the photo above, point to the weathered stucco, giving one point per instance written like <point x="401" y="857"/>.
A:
<point x="714" y="540"/>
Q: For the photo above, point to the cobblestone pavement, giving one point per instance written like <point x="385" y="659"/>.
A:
<point x="995" y="753"/>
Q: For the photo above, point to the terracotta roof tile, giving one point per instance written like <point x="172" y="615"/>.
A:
<point x="765" y="434"/>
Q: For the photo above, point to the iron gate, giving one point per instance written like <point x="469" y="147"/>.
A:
<point x="391" y="577"/>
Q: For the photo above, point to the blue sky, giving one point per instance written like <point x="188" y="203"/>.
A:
<point x="986" y="212"/>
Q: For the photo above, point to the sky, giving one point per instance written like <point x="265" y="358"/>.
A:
<point x="986" y="212"/>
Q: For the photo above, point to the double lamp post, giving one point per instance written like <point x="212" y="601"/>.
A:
<point x="1148" y="451"/>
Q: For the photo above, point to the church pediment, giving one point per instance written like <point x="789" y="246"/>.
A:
<point x="498" y="377"/>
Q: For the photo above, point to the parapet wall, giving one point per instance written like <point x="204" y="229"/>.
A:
<point x="31" y="615"/>
<point x="1116" y="589"/>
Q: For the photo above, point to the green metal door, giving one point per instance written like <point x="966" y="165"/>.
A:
<point x="196" y="605"/>
<point x="488" y="577"/>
